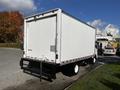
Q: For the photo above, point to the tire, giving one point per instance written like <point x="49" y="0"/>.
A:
<point x="76" y="69"/>
<point x="71" y="70"/>
<point x="93" y="61"/>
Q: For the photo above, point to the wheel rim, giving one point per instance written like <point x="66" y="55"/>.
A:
<point x="76" y="69"/>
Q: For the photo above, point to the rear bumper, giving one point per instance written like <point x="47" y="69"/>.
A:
<point x="39" y="68"/>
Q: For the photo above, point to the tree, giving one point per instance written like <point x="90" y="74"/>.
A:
<point x="10" y="26"/>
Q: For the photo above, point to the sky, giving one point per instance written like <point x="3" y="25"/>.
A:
<point x="102" y="14"/>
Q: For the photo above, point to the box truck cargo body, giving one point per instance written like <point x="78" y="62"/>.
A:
<point x="55" y="41"/>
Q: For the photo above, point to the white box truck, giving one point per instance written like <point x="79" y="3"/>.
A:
<point x="55" y="41"/>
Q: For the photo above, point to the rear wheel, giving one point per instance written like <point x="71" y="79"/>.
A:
<point x="91" y="60"/>
<point x="76" y="69"/>
<point x="70" y="70"/>
<point x="94" y="60"/>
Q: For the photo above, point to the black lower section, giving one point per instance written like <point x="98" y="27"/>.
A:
<point x="45" y="70"/>
<point x="39" y="69"/>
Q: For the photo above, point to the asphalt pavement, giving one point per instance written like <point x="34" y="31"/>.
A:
<point x="9" y="60"/>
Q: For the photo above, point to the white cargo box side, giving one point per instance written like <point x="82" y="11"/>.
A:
<point x="77" y="39"/>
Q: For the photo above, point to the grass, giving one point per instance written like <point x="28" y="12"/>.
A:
<point x="10" y="45"/>
<point x="107" y="77"/>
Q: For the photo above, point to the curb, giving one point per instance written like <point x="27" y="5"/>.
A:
<point x="10" y="48"/>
